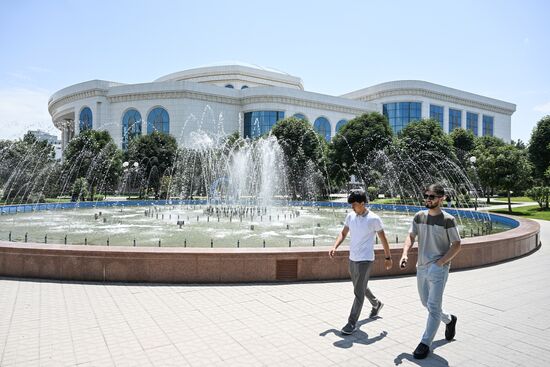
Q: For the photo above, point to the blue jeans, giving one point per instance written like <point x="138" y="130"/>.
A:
<point x="431" y="280"/>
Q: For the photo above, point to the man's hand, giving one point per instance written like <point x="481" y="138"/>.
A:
<point x="331" y="252"/>
<point x="388" y="263"/>
<point x="403" y="262"/>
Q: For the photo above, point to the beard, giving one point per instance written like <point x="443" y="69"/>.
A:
<point x="431" y="206"/>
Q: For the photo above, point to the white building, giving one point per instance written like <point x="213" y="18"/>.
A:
<point x="405" y="100"/>
<point x="52" y="139"/>
<point x="220" y="100"/>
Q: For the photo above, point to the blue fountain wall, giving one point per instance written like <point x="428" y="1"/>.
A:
<point x="409" y="209"/>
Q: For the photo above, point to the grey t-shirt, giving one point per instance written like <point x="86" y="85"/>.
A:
<point x="435" y="235"/>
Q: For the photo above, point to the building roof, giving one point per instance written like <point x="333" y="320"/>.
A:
<point x="431" y="90"/>
<point x="263" y="75"/>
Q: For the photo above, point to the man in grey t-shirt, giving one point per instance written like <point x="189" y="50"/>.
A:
<point x="438" y="244"/>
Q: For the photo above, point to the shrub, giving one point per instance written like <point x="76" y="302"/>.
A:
<point x="541" y="194"/>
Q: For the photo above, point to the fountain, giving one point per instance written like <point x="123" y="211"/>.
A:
<point x="246" y="227"/>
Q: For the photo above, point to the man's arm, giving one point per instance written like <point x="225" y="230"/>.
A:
<point x="409" y="242"/>
<point x="453" y="251"/>
<point x="388" y="263"/>
<point x="341" y="237"/>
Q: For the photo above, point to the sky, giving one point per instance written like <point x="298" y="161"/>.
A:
<point x="496" y="48"/>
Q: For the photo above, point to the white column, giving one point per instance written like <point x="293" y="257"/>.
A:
<point x="97" y="117"/>
<point x="446" y="119"/>
<point x="480" y="125"/>
<point x="425" y="113"/>
<point x="63" y="138"/>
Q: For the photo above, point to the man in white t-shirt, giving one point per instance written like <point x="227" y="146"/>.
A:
<point x="363" y="226"/>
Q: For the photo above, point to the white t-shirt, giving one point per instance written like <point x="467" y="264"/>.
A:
<point x="363" y="230"/>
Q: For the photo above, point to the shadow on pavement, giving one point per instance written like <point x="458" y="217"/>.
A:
<point x="358" y="337"/>
<point x="431" y="360"/>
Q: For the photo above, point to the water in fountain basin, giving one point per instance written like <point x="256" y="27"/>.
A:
<point x="121" y="227"/>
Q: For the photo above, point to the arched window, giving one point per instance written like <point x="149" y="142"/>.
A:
<point x="230" y="86"/>
<point x="244" y="87"/>
<point x="322" y="126"/>
<point x="131" y="127"/>
<point x="300" y="116"/>
<point x="341" y="124"/>
<point x="158" y="120"/>
<point x="85" y="119"/>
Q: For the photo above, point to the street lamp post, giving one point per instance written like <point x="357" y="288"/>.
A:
<point x="473" y="161"/>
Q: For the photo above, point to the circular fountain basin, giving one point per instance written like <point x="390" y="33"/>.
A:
<point x="304" y="260"/>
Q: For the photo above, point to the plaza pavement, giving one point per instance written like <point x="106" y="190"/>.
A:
<point x="503" y="320"/>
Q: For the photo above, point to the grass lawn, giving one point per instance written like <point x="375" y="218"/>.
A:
<point x="531" y="212"/>
<point x="514" y="199"/>
<point x="58" y="200"/>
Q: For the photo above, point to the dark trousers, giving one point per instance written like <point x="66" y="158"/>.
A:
<point x="360" y="272"/>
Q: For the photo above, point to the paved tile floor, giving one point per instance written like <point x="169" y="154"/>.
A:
<point x="503" y="320"/>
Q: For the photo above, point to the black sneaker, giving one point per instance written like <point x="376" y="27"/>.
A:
<point x="348" y="329"/>
<point x="376" y="310"/>
<point x="421" y="351"/>
<point x="450" y="329"/>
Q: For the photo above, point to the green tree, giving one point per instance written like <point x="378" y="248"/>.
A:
<point x="488" y="142"/>
<point x="539" y="148"/>
<point x="93" y="155"/>
<point x="424" y="154"/>
<point x="156" y="155"/>
<point x="519" y="144"/>
<point x="464" y="143"/>
<point x="166" y="187"/>
<point x="427" y="135"/>
<point x="484" y="151"/>
<point x="80" y="189"/>
<point x="504" y="168"/>
<point x="541" y="194"/>
<point x="350" y="148"/>
<point x="231" y="142"/>
<point x="27" y="169"/>
<point x="303" y="149"/>
<point x="188" y="179"/>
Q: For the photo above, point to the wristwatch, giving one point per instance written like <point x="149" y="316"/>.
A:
<point x="388" y="258"/>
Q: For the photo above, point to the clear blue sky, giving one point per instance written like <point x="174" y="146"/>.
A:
<point x="499" y="49"/>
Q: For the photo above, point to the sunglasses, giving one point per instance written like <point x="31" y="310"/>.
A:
<point x="432" y="197"/>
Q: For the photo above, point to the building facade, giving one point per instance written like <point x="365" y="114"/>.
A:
<point x="404" y="101"/>
<point x="218" y="100"/>
<point x="52" y="139"/>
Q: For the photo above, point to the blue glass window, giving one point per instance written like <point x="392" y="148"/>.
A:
<point x="472" y="121"/>
<point x="158" y="120"/>
<point x="258" y="123"/>
<point x="131" y="126"/>
<point x="400" y="114"/>
<point x="488" y="125"/>
<point x="85" y="119"/>
<point x="322" y="126"/>
<point x="455" y="119"/>
<point x="300" y="116"/>
<point x="341" y="124"/>
<point x="436" y="113"/>
<point x="230" y="86"/>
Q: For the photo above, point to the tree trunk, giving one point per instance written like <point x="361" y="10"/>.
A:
<point x="509" y="203"/>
